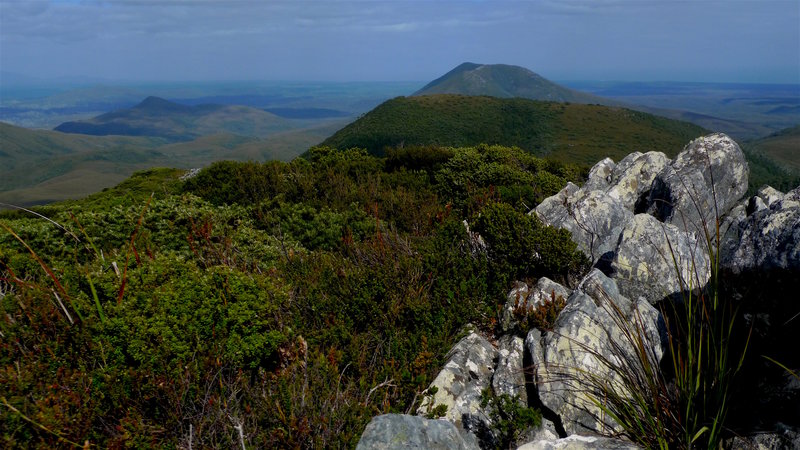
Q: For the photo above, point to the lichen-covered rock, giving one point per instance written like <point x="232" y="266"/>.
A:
<point x="399" y="431"/>
<point x="468" y="371"/>
<point x="593" y="218"/>
<point x="644" y="262"/>
<point x="576" y="442"/>
<point x="600" y="175"/>
<point x="521" y="295"/>
<point x="768" y="237"/>
<point x="585" y="329"/>
<point x="509" y="377"/>
<point x="707" y="178"/>
<point x="633" y="177"/>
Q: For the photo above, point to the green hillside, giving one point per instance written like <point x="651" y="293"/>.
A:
<point x="775" y="160"/>
<point x="783" y="147"/>
<point x="161" y="118"/>
<point x="504" y="81"/>
<point x="279" y="294"/>
<point x="566" y="132"/>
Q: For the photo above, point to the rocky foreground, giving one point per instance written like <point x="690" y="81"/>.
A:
<point x="646" y="223"/>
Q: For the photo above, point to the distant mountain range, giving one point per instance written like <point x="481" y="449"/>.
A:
<point x="569" y="132"/>
<point x="157" y="117"/>
<point x="505" y="81"/>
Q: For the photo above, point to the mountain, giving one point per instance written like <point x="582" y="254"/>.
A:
<point x="158" y="117"/>
<point x="567" y="132"/>
<point x="504" y="81"/>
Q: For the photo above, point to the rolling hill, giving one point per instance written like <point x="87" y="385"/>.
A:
<point x="41" y="166"/>
<point x="783" y="147"/>
<point x="566" y="132"/>
<point x="157" y="117"/>
<point x="505" y="81"/>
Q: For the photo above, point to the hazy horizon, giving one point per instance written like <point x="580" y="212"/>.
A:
<point x="340" y="41"/>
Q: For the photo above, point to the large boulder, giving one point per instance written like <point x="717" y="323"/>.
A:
<point x="654" y="260"/>
<point x="399" y="431"/>
<point x="594" y="219"/>
<point x="768" y="237"/>
<point x="468" y="371"/>
<point x="702" y="183"/>
<point x="589" y="331"/>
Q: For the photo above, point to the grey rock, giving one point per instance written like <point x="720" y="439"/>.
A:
<point x="586" y="328"/>
<point x="468" y="371"/>
<point x="784" y="438"/>
<point x="521" y="295"/>
<point x="768" y="238"/>
<point x="707" y="178"/>
<point x="644" y="262"/>
<point x="509" y="377"/>
<point x="398" y="431"/>
<point x="600" y="175"/>
<point x="593" y="218"/>
<point x="576" y="442"/>
<point x="633" y="177"/>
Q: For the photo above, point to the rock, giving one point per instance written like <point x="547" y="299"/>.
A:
<point x="585" y="329"/>
<point x="708" y="177"/>
<point x="399" y="431"/>
<point x="576" y="442"/>
<point x="768" y="238"/>
<point x="633" y="176"/>
<point x="593" y="218"/>
<point x="645" y="258"/>
<point x="509" y="377"/>
<point x="553" y="210"/>
<point x="600" y="175"/>
<point x="785" y="438"/>
<point x="468" y="371"/>
<point x="516" y="297"/>
<point x="524" y="296"/>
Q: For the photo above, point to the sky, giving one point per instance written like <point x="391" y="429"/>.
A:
<point x="373" y="40"/>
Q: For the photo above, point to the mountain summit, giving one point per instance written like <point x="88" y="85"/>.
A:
<point x="502" y="80"/>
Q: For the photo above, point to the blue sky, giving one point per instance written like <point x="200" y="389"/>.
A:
<point x="700" y="40"/>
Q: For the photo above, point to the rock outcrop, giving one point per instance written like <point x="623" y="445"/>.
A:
<point x="767" y="237"/>
<point x="638" y="220"/>
<point x="588" y="332"/>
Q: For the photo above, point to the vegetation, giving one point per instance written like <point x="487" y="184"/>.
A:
<point x="505" y="81"/>
<point x="288" y="302"/>
<point x="774" y="160"/>
<point x="581" y="134"/>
